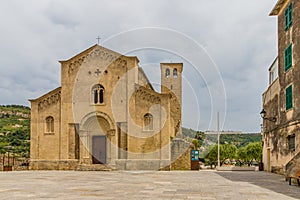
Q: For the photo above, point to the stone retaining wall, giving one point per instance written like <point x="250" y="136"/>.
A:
<point x="17" y="163"/>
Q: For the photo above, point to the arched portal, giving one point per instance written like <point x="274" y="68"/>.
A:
<point x="95" y="132"/>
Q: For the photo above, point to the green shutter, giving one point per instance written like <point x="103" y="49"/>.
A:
<point x="285" y="60"/>
<point x="288" y="17"/>
<point x="289" y="97"/>
<point x="288" y="57"/>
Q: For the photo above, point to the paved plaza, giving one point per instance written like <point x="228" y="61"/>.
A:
<point x="145" y="185"/>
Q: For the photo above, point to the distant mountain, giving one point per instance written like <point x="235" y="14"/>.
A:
<point x="15" y="129"/>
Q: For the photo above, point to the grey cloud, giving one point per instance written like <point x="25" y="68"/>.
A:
<point x="238" y="35"/>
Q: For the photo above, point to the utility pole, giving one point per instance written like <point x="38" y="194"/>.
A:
<point x="218" y="130"/>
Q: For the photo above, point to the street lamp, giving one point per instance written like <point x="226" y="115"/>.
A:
<point x="263" y="115"/>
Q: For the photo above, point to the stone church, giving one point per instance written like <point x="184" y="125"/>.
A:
<point x="106" y="113"/>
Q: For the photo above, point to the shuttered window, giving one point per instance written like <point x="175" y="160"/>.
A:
<point x="291" y="142"/>
<point x="289" y="97"/>
<point x="288" y="17"/>
<point x="288" y="57"/>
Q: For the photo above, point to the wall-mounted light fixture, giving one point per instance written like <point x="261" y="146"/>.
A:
<point x="263" y="115"/>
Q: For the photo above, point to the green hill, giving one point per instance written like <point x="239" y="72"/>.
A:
<point x="239" y="140"/>
<point x="15" y="129"/>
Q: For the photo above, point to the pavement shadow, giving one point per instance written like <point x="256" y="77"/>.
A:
<point x="273" y="182"/>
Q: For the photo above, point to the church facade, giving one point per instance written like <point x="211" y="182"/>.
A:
<point x="106" y="113"/>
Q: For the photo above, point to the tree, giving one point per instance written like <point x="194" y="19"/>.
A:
<point x="251" y="152"/>
<point x="195" y="142"/>
<point x="212" y="156"/>
<point x="3" y="147"/>
<point x="227" y="151"/>
<point x="254" y="151"/>
<point x="242" y="156"/>
<point x="200" y="136"/>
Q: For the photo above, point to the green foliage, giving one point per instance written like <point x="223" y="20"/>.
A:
<point x="190" y="135"/>
<point x="3" y="146"/>
<point x="242" y="155"/>
<point x="227" y="151"/>
<point x="251" y="152"/>
<point x="238" y="147"/>
<point x="200" y="136"/>
<point x="239" y="140"/>
<point x="254" y="151"/>
<point x="15" y="129"/>
<point x="212" y="156"/>
<point x="195" y="142"/>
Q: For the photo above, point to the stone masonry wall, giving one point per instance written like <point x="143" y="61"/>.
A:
<point x="180" y="154"/>
<point x="16" y="163"/>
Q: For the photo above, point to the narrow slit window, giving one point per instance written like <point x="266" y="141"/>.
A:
<point x="291" y="142"/>
<point x="289" y="97"/>
<point x="50" y="124"/>
<point x="148" y="122"/>
<point x="96" y="96"/>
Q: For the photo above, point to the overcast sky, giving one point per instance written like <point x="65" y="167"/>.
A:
<point x="226" y="47"/>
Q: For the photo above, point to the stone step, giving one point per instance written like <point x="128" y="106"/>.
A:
<point x="94" y="167"/>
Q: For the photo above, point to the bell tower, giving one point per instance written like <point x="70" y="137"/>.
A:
<point x="171" y="82"/>
<point x="171" y="79"/>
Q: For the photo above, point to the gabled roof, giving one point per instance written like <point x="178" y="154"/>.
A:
<point x="142" y="71"/>
<point x="82" y="53"/>
<point x="46" y="95"/>
<point x="278" y="7"/>
<point x="89" y="50"/>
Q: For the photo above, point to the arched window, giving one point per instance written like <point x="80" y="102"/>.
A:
<point x="175" y="73"/>
<point x="148" y="122"/>
<point x="167" y="72"/>
<point x="98" y="94"/>
<point x="50" y="124"/>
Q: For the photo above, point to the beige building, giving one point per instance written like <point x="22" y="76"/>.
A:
<point x="107" y="113"/>
<point x="281" y="101"/>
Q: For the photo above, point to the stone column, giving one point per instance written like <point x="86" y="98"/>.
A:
<point x="111" y="148"/>
<point x="84" y="147"/>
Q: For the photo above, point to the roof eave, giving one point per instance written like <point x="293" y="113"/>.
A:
<point x="277" y="7"/>
<point x="273" y="63"/>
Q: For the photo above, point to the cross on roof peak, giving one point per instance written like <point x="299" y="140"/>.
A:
<point x="98" y="39"/>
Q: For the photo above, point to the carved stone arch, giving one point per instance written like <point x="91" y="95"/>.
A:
<point x="85" y="120"/>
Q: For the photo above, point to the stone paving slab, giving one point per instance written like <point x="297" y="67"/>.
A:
<point x="273" y="182"/>
<point x="129" y="185"/>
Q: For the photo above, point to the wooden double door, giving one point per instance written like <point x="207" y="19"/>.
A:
<point x="99" y="149"/>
